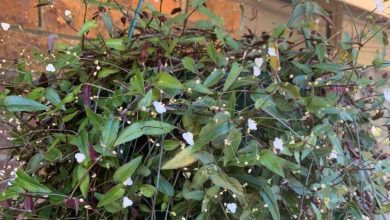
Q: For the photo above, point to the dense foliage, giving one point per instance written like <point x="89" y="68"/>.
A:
<point x="184" y="122"/>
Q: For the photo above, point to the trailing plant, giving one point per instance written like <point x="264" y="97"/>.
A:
<point x="182" y="121"/>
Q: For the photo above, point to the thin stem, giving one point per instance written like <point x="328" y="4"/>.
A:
<point x="135" y="19"/>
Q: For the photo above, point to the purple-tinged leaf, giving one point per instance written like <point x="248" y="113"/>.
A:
<point x="87" y="94"/>
<point x="29" y="203"/>
<point x="51" y="41"/>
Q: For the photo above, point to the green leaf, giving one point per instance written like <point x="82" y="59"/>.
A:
<point x="305" y="68"/>
<point x="234" y="140"/>
<point x="197" y="87"/>
<point x="321" y="52"/>
<point x="69" y="117"/>
<point x="219" y="178"/>
<point x="196" y="195"/>
<point x="19" y="103"/>
<point x="108" y="23"/>
<point x="270" y="199"/>
<point x="88" y="25"/>
<point x="264" y="102"/>
<point x="106" y="72"/>
<point x="53" y="154"/>
<point x="81" y="174"/>
<point x="147" y="190"/>
<point x="177" y="19"/>
<point x="52" y="96"/>
<point x="127" y="170"/>
<point x="165" y="80"/>
<point x="291" y="89"/>
<point x="170" y="145"/>
<point x="164" y="186"/>
<point x="182" y="159"/>
<point x="130" y="133"/>
<point x="137" y="81"/>
<point x="197" y="3"/>
<point x="28" y="183"/>
<point x="335" y="141"/>
<point x="214" y="78"/>
<point x="212" y="17"/>
<point x="111" y="196"/>
<point x="213" y="130"/>
<point x="115" y="43"/>
<point x="212" y="52"/>
<point x="330" y="67"/>
<point x="110" y="132"/>
<point x="232" y="77"/>
<point x="156" y="127"/>
<point x="189" y="64"/>
<point x="317" y="212"/>
<point x="298" y="12"/>
<point x="93" y="118"/>
<point x="146" y="101"/>
<point x="34" y="162"/>
<point x="269" y="160"/>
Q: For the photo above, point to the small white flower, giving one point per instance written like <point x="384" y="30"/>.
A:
<point x="68" y="13"/>
<point x="278" y="145"/>
<point x="271" y="52"/>
<point x="256" y="71"/>
<point x="160" y="107"/>
<point x="386" y="93"/>
<point x="364" y="217"/>
<point x="259" y="62"/>
<point x="189" y="138"/>
<point x="126" y="202"/>
<point x="50" y="68"/>
<point x="128" y="182"/>
<point x="80" y="157"/>
<point x="5" y="26"/>
<point x="252" y="125"/>
<point x="333" y="154"/>
<point x="232" y="207"/>
<point x="379" y="5"/>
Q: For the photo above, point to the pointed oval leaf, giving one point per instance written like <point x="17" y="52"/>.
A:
<point x="130" y="133"/>
<point x="127" y="170"/>
<point x="111" y="196"/>
<point x="270" y="161"/>
<point x="19" y="104"/>
<point x="88" y="25"/>
<point x="182" y="159"/>
<point x="156" y="127"/>
<point x="30" y="184"/>
<point x="110" y="132"/>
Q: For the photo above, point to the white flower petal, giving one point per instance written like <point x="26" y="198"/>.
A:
<point x="160" y="107"/>
<point x="189" y="138"/>
<point x="5" y="26"/>
<point x="256" y="71"/>
<point x="379" y="5"/>
<point x="126" y="202"/>
<point x="50" y="68"/>
<point x="128" y="182"/>
<point x="232" y="207"/>
<point x="333" y="154"/>
<point x="80" y="157"/>
<point x="67" y="13"/>
<point x="386" y="93"/>
<point x="278" y="144"/>
<point x="272" y="52"/>
<point x="259" y="62"/>
<point x="252" y="125"/>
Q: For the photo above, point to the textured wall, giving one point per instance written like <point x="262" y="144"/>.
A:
<point x="30" y="26"/>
